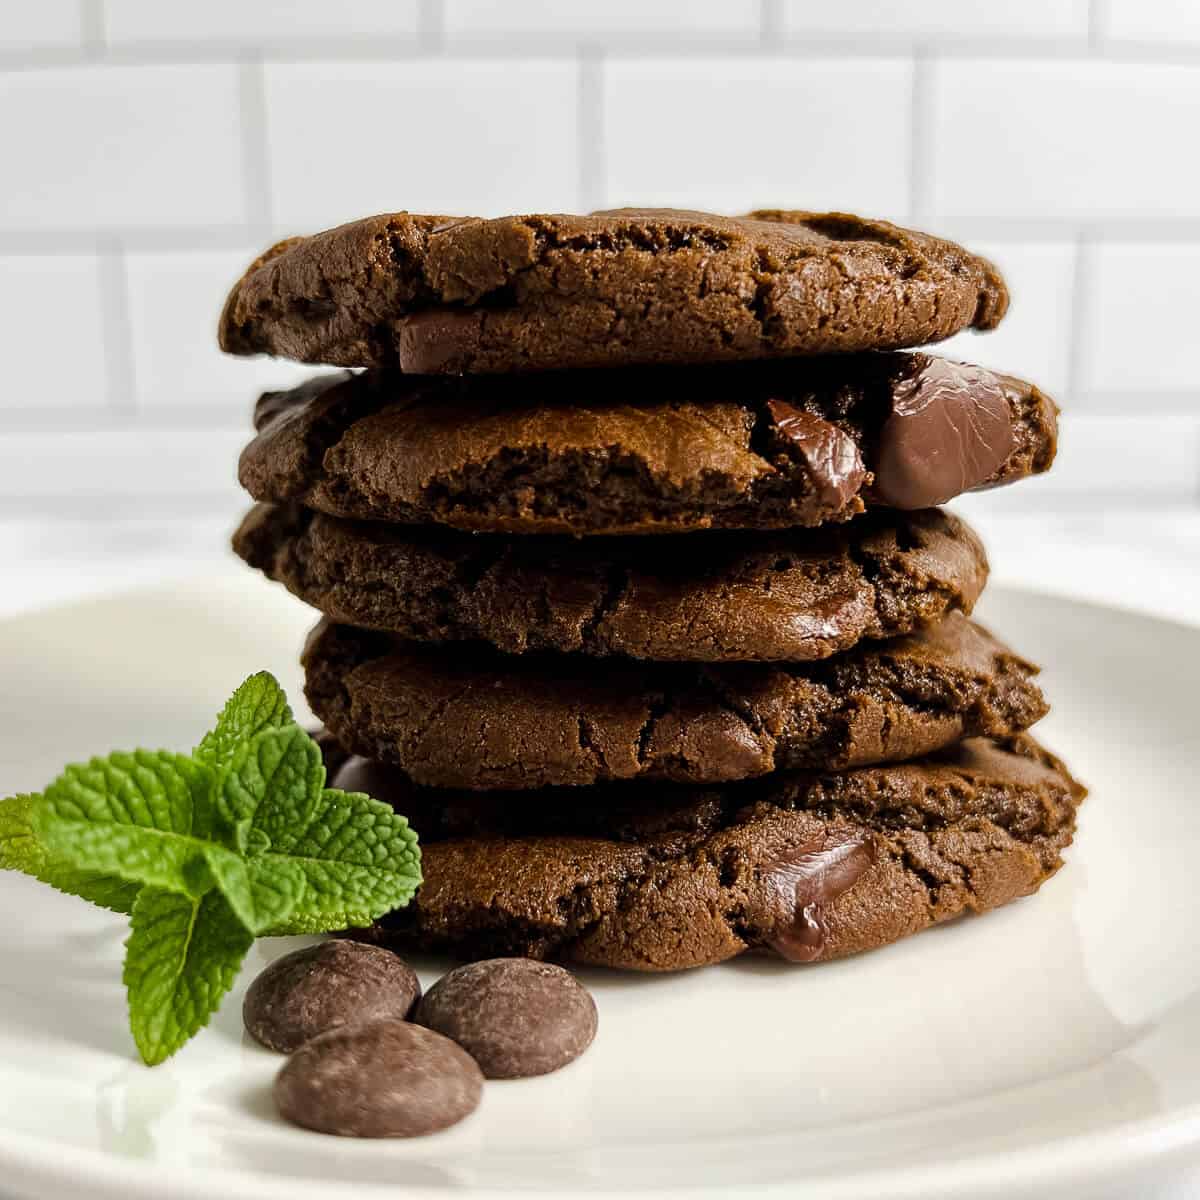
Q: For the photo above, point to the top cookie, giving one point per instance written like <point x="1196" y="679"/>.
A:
<point x="451" y="295"/>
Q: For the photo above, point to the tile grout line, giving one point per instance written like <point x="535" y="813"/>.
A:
<point x="920" y="121"/>
<point x="431" y="25"/>
<point x="590" y="128"/>
<point x="1080" y="311"/>
<point x="770" y="21"/>
<point x="1095" y="24"/>
<point x="109" y="420"/>
<point x="50" y="242"/>
<point x="770" y="41"/>
<point x="93" y="27"/>
<point x="256" y="174"/>
<point x="119" y="506"/>
<point x="117" y="328"/>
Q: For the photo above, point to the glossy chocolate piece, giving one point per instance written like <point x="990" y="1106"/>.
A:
<point x="831" y="455"/>
<point x="950" y="430"/>
<point x="804" y="882"/>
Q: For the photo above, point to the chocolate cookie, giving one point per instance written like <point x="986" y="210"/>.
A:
<point x="468" y="716"/>
<point x="705" y="597"/>
<point x="754" y="446"/>
<point x="811" y="867"/>
<point x="444" y="294"/>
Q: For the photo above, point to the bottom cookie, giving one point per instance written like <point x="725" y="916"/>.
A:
<point x="655" y="878"/>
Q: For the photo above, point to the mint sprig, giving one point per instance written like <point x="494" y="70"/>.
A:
<point x="20" y="850"/>
<point x="258" y="704"/>
<point x="181" y="957"/>
<point x="206" y="852"/>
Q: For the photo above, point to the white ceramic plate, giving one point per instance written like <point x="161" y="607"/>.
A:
<point x="1057" y="1039"/>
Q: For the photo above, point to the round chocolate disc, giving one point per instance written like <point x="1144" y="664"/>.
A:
<point x="384" y="1078"/>
<point x="514" y="1016"/>
<point x="319" y="987"/>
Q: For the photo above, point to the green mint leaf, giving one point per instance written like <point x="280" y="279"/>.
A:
<point x="243" y="838"/>
<point x="299" y="925"/>
<point x="181" y="957"/>
<point x="276" y="888"/>
<point x="146" y="817"/>
<point x="263" y="893"/>
<point x="21" y="851"/>
<point x="257" y="705"/>
<point x="19" y="847"/>
<point x="360" y="860"/>
<point x="274" y="763"/>
<point x="257" y="842"/>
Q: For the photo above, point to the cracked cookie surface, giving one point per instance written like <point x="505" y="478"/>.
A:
<point x="703" y="597"/>
<point x="468" y="716"/>
<point x="661" y="878"/>
<point x="633" y="286"/>
<point x="751" y="446"/>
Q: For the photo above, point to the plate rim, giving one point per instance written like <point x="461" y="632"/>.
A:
<point x="37" y="1167"/>
<point x="1078" y="1159"/>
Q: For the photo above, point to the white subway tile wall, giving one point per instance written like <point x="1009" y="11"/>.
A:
<point x="1141" y="463"/>
<point x="40" y="297"/>
<point x="123" y="472"/>
<point x="1066" y="141"/>
<point x="104" y="147"/>
<point x="749" y="132"/>
<point x="939" y="18"/>
<point x="1146" y="297"/>
<point x="433" y="135"/>
<point x="46" y="23"/>
<point x="151" y="149"/>
<point x="1033" y="340"/>
<point x="553" y="18"/>
<point x="130" y="22"/>
<point x="174" y="299"/>
<point x="1149" y="20"/>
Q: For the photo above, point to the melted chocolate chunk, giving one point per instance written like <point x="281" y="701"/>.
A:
<point x="950" y="429"/>
<point x="829" y="452"/>
<point x="803" y="882"/>
<point x="440" y="341"/>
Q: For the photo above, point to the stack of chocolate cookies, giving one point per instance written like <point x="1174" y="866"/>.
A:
<point x="636" y="597"/>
